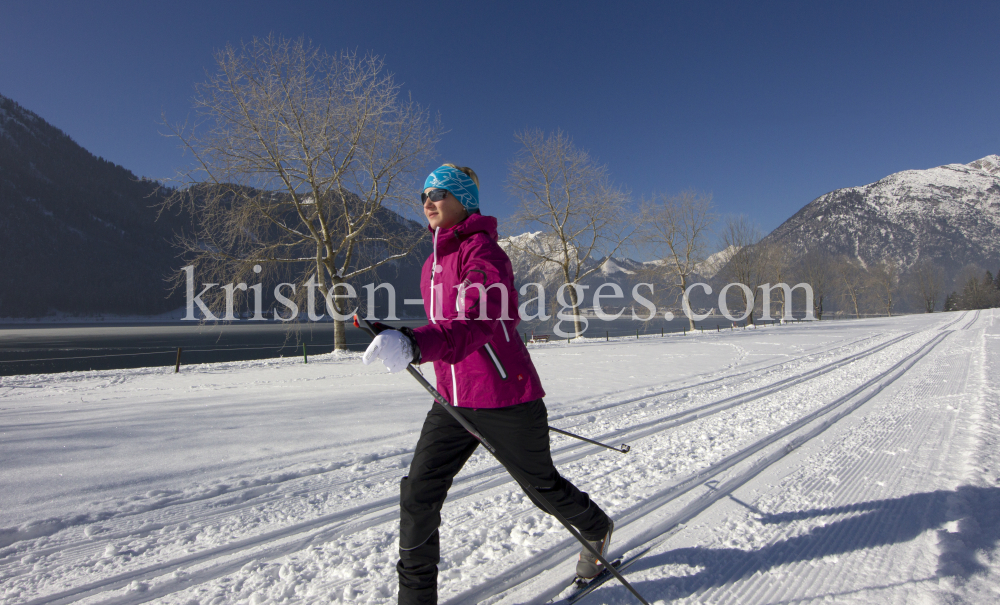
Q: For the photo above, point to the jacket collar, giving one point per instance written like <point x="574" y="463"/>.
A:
<point x="449" y="239"/>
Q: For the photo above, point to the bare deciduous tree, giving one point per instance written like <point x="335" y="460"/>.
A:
<point x="299" y="155"/>
<point x="563" y="191"/>
<point x="750" y="262"/>
<point x="779" y="269"/>
<point x="816" y="269"/>
<point x="883" y="284"/>
<point x="926" y="283"/>
<point x="852" y="278"/>
<point x="675" y="230"/>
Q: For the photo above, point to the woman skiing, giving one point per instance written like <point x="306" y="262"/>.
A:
<point x="484" y="370"/>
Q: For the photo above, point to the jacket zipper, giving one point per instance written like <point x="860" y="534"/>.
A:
<point x="434" y="272"/>
<point x="496" y="361"/>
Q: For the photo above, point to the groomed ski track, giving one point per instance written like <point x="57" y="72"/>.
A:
<point x="698" y="445"/>
<point x="847" y="527"/>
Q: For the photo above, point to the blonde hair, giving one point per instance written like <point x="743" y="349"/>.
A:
<point x="468" y="171"/>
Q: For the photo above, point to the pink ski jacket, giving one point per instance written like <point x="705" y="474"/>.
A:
<point x="479" y="359"/>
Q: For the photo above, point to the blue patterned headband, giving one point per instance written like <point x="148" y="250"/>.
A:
<point x="457" y="183"/>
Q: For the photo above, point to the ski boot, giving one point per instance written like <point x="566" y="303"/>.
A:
<point x="588" y="566"/>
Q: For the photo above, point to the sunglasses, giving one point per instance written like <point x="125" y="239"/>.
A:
<point x="436" y="195"/>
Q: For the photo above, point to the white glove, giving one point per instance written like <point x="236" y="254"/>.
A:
<point x="393" y="348"/>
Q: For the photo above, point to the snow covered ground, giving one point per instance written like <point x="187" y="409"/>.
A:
<point x="847" y="461"/>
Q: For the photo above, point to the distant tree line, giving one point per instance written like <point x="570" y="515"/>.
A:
<point x="842" y="284"/>
<point x="979" y="290"/>
<point x="857" y="289"/>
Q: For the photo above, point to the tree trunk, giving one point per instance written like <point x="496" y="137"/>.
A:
<point x="683" y="290"/>
<point x="339" y="335"/>
<point x="576" y="312"/>
<point x="749" y="305"/>
<point x="339" y="328"/>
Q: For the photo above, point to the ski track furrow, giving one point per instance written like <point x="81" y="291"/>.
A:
<point x="601" y="405"/>
<point x="367" y="510"/>
<point x="180" y="512"/>
<point x="741" y="601"/>
<point x="850" y="457"/>
<point x="654" y="426"/>
<point x="673" y="420"/>
<point x="736" y="377"/>
<point x="651" y="537"/>
<point x="955" y="321"/>
<point x="739" y="481"/>
<point x="175" y="514"/>
<point x="246" y="546"/>
<point x="919" y="426"/>
<point x="457" y="496"/>
<point x="88" y="548"/>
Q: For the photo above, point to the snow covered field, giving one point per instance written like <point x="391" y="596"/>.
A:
<point x="847" y="462"/>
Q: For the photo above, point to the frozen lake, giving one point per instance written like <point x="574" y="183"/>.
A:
<point x="59" y="347"/>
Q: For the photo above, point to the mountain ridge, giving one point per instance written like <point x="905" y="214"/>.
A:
<point x="79" y="233"/>
<point x="949" y="214"/>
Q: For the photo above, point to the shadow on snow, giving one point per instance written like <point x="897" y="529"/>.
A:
<point x="975" y="511"/>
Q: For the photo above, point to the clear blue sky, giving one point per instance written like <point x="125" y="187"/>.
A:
<point x="767" y="105"/>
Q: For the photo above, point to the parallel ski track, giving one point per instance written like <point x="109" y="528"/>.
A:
<point x="971" y="323"/>
<point x="873" y="387"/>
<point x="725" y="379"/>
<point x="896" y="431"/>
<point x="659" y="532"/>
<point x="257" y="495"/>
<point x="638" y="431"/>
<point x="965" y="315"/>
<point x="290" y="539"/>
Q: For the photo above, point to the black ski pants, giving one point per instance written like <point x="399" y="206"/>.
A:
<point x="520" y="434"/>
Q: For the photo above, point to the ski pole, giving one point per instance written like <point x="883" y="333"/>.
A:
<point x="514" y="472"/>
<point x="625" y="448"/>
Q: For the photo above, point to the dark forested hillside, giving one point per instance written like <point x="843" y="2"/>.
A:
<point x="78" y="234"/>
<point x="81" y="235"/>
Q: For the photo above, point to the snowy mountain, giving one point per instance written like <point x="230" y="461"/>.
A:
<point x="711" y="265"/>
<point x="949" y="214"/>
<point x="524" y="249"/>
